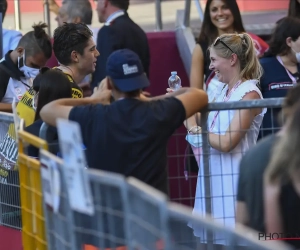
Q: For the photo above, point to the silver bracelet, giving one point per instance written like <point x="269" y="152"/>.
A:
<point x="198" y="129"/>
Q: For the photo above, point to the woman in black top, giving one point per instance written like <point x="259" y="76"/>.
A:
<point x="49" y="85"/>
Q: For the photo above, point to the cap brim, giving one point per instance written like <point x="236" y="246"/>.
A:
<point x="131" y="84"/>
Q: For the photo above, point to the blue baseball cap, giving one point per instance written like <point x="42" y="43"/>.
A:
<point x="124" y="67"/>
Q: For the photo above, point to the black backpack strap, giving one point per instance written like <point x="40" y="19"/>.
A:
<point x="5" y="75"/>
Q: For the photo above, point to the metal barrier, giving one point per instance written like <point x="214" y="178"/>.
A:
<point x="147" y="217"/>
<point x="9" y="179"/>
<point x="129" y="215"/>
<point x="33" y="227"/>
<point x="57" y="236"/>
<point x="1" y="36"/>
<point x="240" y="239"/>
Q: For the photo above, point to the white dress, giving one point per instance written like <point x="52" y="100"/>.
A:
<point x="224" y="167"/>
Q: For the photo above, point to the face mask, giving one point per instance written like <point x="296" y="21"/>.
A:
<point x="28" y="71"/>
<point x="194" y="139"/>
<point x="297" y="54"/>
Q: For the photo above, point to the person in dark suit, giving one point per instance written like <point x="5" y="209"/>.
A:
<point x="118" y="32"/>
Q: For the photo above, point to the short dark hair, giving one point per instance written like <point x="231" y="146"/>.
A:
<point x="286" y="27"/>
<point x="3" y="8"/>
<point x="122" y="4"/>
<point x="51" y="84"/>
<point x="37" y="41"/>
<point x="70" y="37"/>
<point x="209" y="31"/>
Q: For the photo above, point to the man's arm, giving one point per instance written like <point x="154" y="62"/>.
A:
<point x="61" y="108"/>
<point x="192" y="99"/>
<point x="6" y="107"/>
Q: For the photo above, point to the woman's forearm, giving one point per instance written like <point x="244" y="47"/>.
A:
<point x="273" y="219"/>
<point x="224" y="143"/>
<point x="193" y="121"/>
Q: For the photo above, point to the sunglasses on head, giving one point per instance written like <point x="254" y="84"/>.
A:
<point x="218" y="40"/>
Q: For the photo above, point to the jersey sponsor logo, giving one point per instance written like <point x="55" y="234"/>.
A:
<point x="76" y="93"/>
<point x="27" y="98"/>
<point x="280" y="85"/>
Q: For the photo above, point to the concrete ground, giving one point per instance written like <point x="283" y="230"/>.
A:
<point x="143" y="13"/>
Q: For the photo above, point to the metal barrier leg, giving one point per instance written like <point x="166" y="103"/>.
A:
<point x="1" y="36"/>
<point x="187" y="13"/>
<point x="199" y="9"/>
<point x="159" y="25"/>
<point x="17" y="15"/>
<point x="206" y="172"/>
<point x="47" y="16"/>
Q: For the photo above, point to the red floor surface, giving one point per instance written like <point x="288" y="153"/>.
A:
<point x="10" y="239"/>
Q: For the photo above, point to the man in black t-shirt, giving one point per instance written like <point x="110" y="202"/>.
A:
<point x="130" y="135"/>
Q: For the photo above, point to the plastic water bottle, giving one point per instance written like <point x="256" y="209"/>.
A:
<point x="174" y="81"/>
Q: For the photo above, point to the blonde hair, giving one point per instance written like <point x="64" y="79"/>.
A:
<point x="285" y="160"/>
<point x="242" y="45"/>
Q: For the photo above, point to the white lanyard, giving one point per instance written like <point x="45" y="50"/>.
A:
<point x="294" y="80"/>
<point x="113" y="16"/>
<point x="226" y="98"/>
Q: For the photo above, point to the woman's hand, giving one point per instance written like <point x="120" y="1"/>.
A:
<point x="169" y="91"/>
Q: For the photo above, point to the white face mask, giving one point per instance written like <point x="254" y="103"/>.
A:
<point x="297" y="54"/>
<point x="28" y="71"/>
<point x="194" y="139"/>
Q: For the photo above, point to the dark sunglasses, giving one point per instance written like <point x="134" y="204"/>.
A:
<point x="218" y="40"/>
